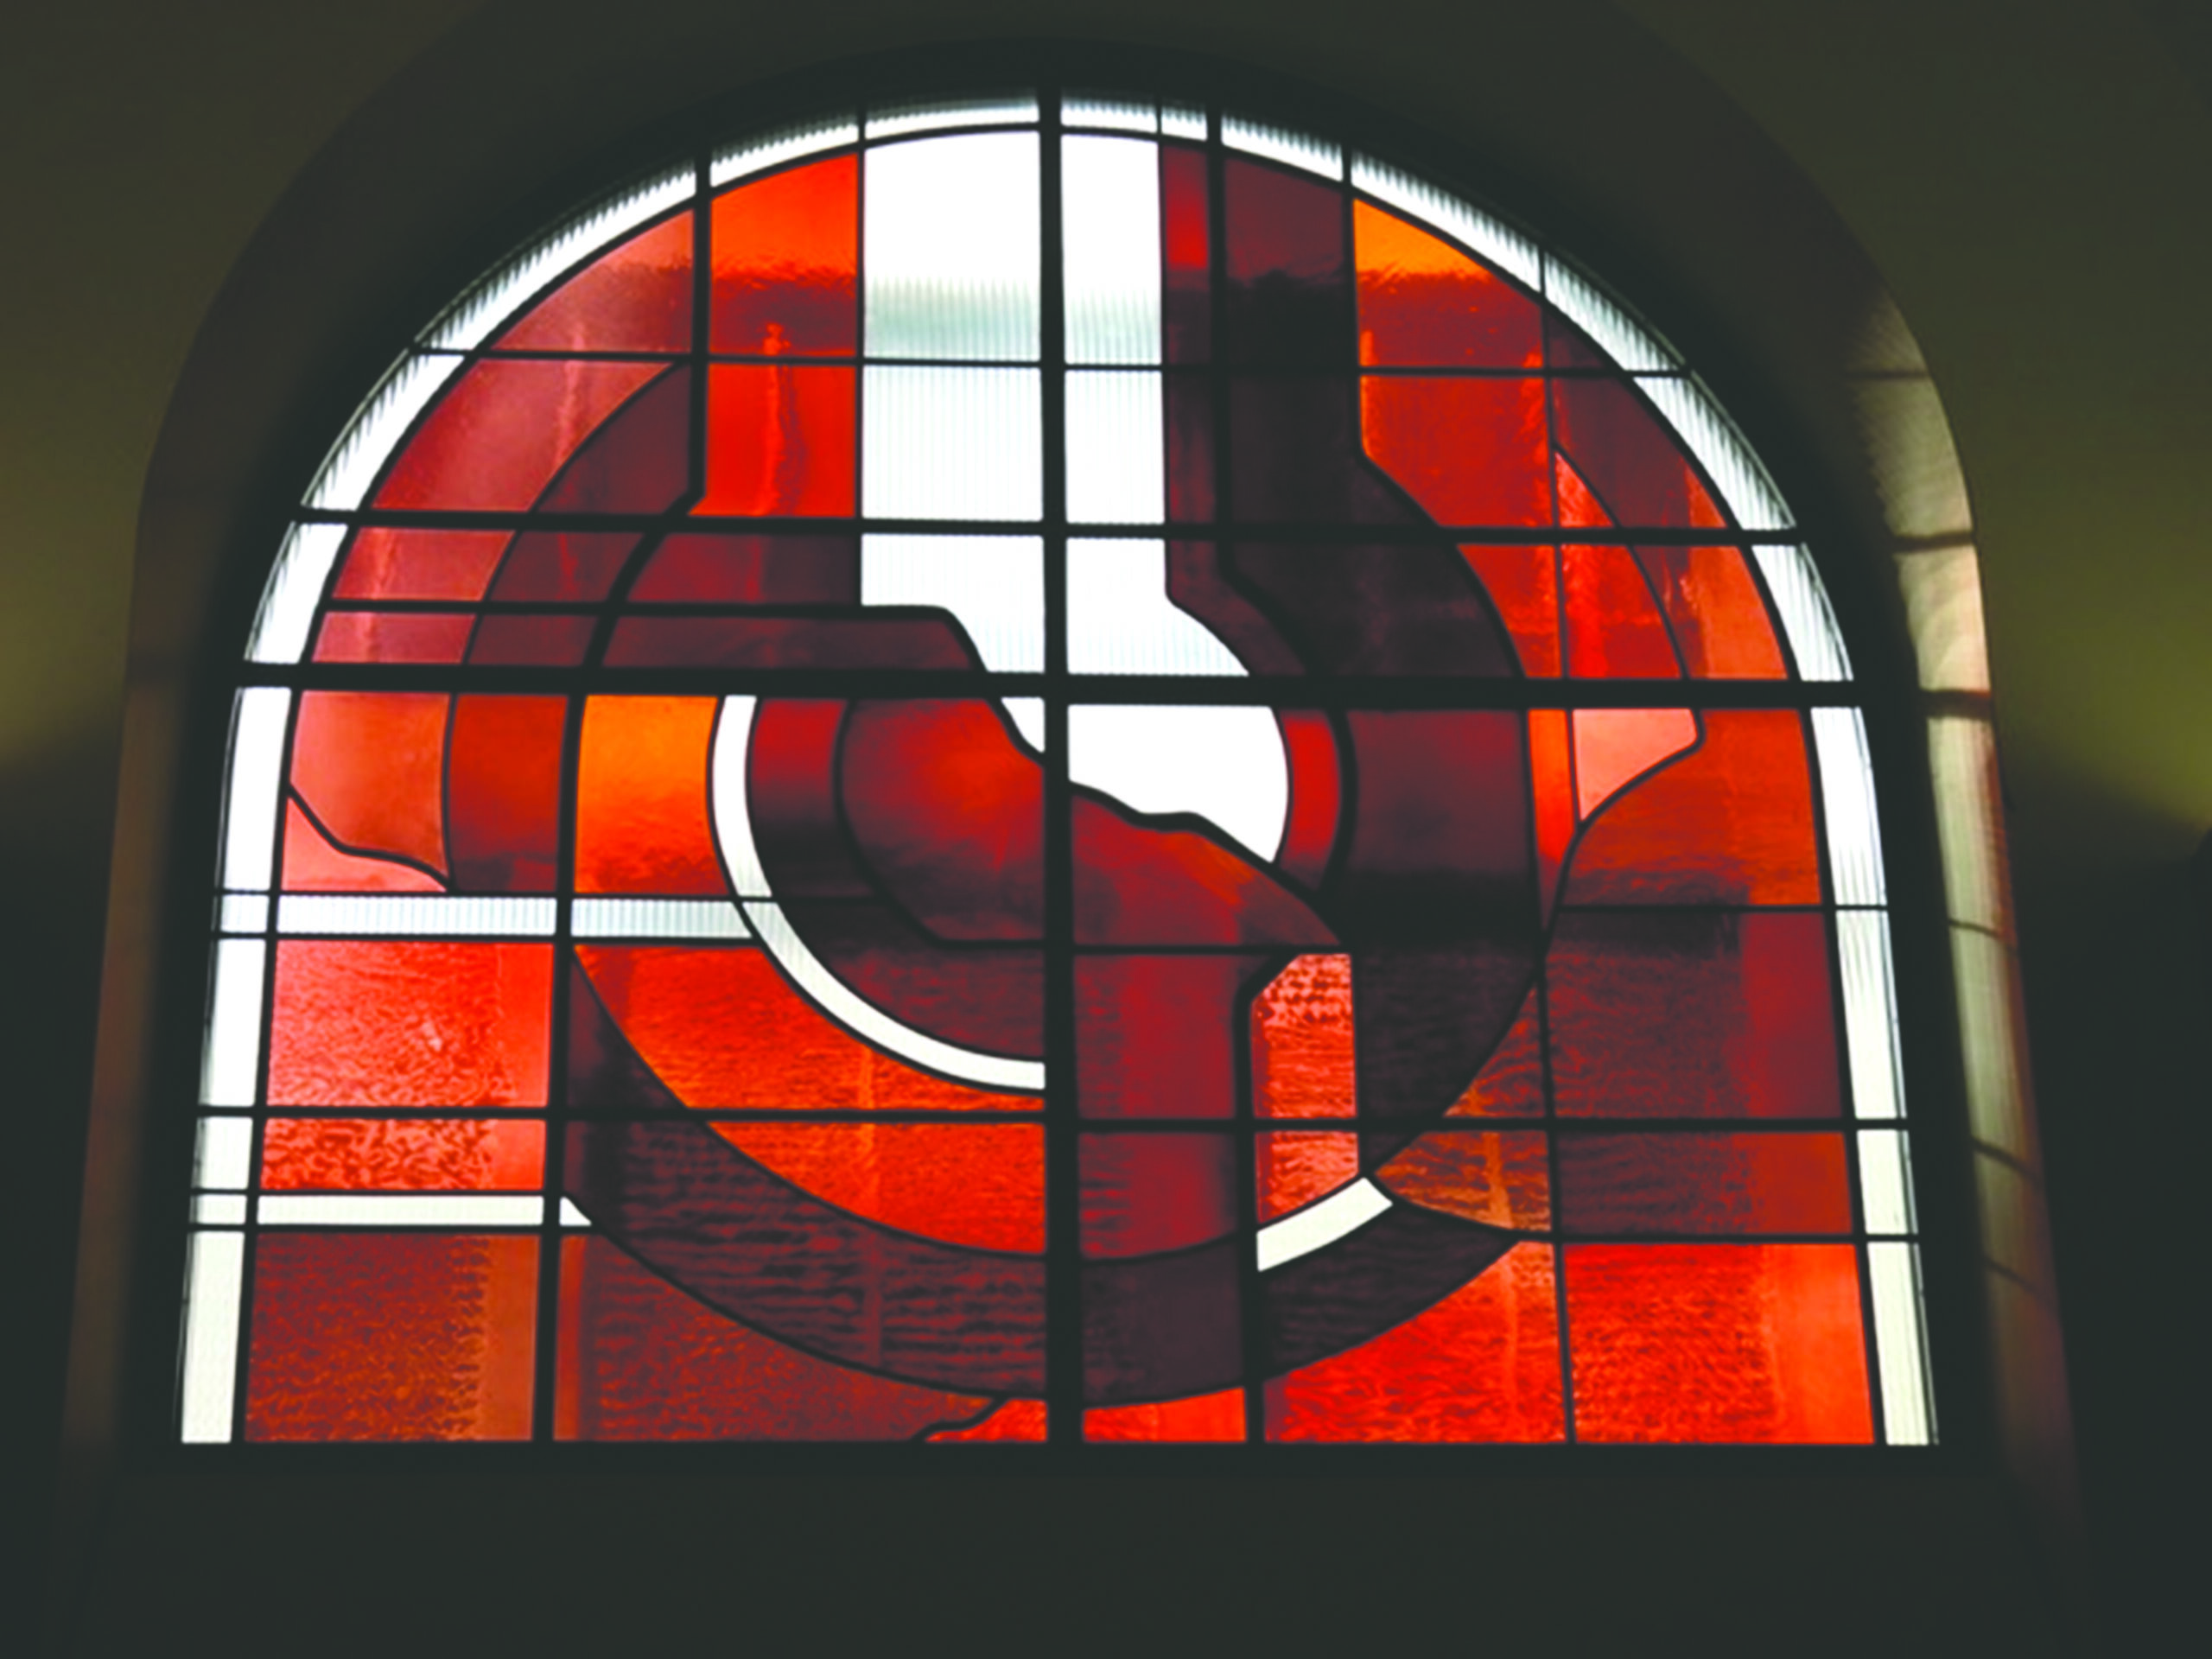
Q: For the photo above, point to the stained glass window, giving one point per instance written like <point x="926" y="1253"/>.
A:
<point x="1048" y="769"/>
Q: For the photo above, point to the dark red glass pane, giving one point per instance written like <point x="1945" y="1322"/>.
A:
<point x="1522" y="585"/>
<point x="643" y="822"/>
<point x="558" y="641"/>
<point x="1511" y="1082"/>
<point x="1613" y="627"/>
<point x="1500" y="1178"/>
<point x="1382" y="608"/>
<point x="979" y="1184"/>
<point x="367" y="764"/>
<point x="878" y="640"/>
<point x="503" y="428"/>
<point x="1729" y="822"/>
<point x="1302" y="1041"/>
<point x="1295" y="455"/>
<point x="1695" y="1183"/>
<point x="503" y="791"/>
<point x="1288" y="299"/>
<point x="1142" y="886"/>
<point x="1186" y="254"/>
<point x="455" y="1154"/>
<point x="1195" y="1418"/>
<point x="751" y="570"/>
<point x="1718" y="1343"/>
<point x="361" y="1336"/>
<point x="1472" y="450"/>
<point x="1692" y="1013"/>
<point x="1145" y="1193"/>
<point x="383" y="563"/>
<point x="1482" y="1365"/>
<point x="1152" y="1038"/>
<point x="1424" y="304"/>
<point x="1188" y="409"/>
<point x="634" y="298"/>
<point x="785" y="253"/>
<point x="1292" y="1167"/>
<point x="1629" y="459"/>
<point x="383" y="1023"/>
<point x="1720" y="623"/>
<point x="639" y="462"/>
<point x="779" y="440"/>
<point x="393" y="636"/>
<point x="557" y="565"/>
<point x="313" y="865"/>
<point x="1309" y="833"/>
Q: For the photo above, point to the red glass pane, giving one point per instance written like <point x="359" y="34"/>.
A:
<point x="361" y="1336"/>
<point x="531" y="641"/>
<point x="1613" y="625"/>
<point x="639" y="1360"/>
<point x="1143" y="1193"/>
<point x="643" y="822"/>
<point x="1627" y="455"/>
<point x="1017" y="1420"/>
<point x="1202" y="1417"/>
<point x="1678" y="1183"/>
<point x="751" y="570"/>
<point x="634" y="298"/>
<point x="787" y="249"/>
<point x="1316" y="795"/>
<point x="721" y="1028"/>
<point x="779" y="440"/>
<point x="503" y="428"/>
<point x="503" y="791"/>
<point x="1718" y="1343"/>
<point x="369" y="765"/>
<point x="383" y="563"/>
<point x="1292" y="1167"/>
<point x="1551" y="788"/>
<point x="1502" y="1179"/>
<point x="639" y="462"/>
<point x="560" y="565"/>
<point x="1472" y="451"/>
<point x="1150" y="1037"/>
<point x="402" y="1155"/>
<point x="1511" y="1082"/>
<point x="1424" y="304"/>
<point x="1523" y="583"/>
<point x="413" y="1024"/>
<point x="978" y="1184"/>
<point x="1138" y="885"/>
<point x="393" y="637"/>
<point x="1692" y="1013"/>
<point x="1730" y="823"/>
<point x="1483" y="1364"/>
<point x="1288" y="299"/>
<point x="1720" y="623"/>
<point x="1185" y="256"/>
<point x="874" y="641"/>
<point x="1614" y="746"/>
<point x="1302" y="1061"/>
<point x="313" y="865"/>
<point x="1188" y="408"/>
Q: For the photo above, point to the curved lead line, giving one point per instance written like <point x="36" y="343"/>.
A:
<point x="1344" y="1212"/>
<point x="742" y="859"/>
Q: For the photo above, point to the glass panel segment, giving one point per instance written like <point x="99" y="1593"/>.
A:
<point x="220" y="1210"/>
<point x="288" y="604"/>
<point x="949" y="248"/>
<point x="1180" y="121"/>
<point x="951" y="443"/>
<point x="228" y="1070"/>
<point x="1491" y="240"/>
<point x="214" y="1272"/>
<point x="361" y="450"/>
<point x="1109" y="197"/>
<point x="772" y="149"/>
<point x="1847" y="792"/>
<point x="656" y="918"/>
<point x="224" y="1155"/>
<point x="393" y="914"/>
<point x="245" y="913"/>
<point x="1225" y="764"/>
<point x="1009" y="110"/>
<point x="1712" y="437"/>
<point x="994" y="585"/>
<point x="1886" y="1181"/>
<point x="1293" y="149"/>
<point x="401" y="1209"/>
<point x="1870" y="1013"/>
<point x="1899" y="1343"/>
<point x="1116" y="456"/>
<point x="1118" y="114"/>
<point x="1602" y="317"/>
<point x="257" y="760"/>
<point x="1120" y="620"/>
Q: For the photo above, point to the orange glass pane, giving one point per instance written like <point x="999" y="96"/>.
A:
<point x="1721" y="626"/>
<point x="1200" y="1417"/>
<point x="1471" y="451"/>
<point x="1483" y="1364"/>
<point x="978" y="1184"/>
<point x="721" y="1028"/>
<point x="1423" y="303"/>
<point x="313" y="865"/>
<point x="779" y="440"/>
<point x="1302" y="1063"/>
<point x="1613" y="746"/>
<point x="402" y="1155"/>
<point x="1296" y="1166"/>
<point x="634" y="298"/>
<point x="787" y="249"/>
<point x="1523" y="583"/>
<point x="383" y="563"/>
<point x="1613" y="627"/>
<point x="504" y="428"/>
<point x="1679" y="1183"/>
<point x="410" y="1024"/>
<point x="1718" y="1343"/>
<point x="369" y="765"/>
<point x="642" y="817"/>
<point x="1502" y="1179"/>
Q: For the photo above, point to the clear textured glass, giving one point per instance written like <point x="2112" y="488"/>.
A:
<point x="1116" y="455"/>
<point x="1226" y="764"/>
<point x="1011" y="110"/>
<point x="245" y="913"/>
<point x="256" y="770"/>
<point x="1109" y="216"/>
<point x="223" y="1155"/>
<point x="220" y="1210"/>
<point x="296" y="585"/>
<point x="1900" y="1342"/>
<point x="656" y="918"/>
<point x="231" y="1065"/>
<point x="1802" y="603"/>
<point x="949" y="248"/>
<point x="213" y="1275"/>
<point x="1847" y="796"/>
<point x="408" y="914"/>
<point x="401" y="1209"/>
<point x="1602" y="317"/>
<point x="758" y="155"/>
<point x="951" y="443"/>
<point x="994" y="584"/>
<point x="1118" y="114"/>
<point x="1870" y="1012"/>
<point x="1886" y="1181"/>
<point x="1121" y="622"/>
<point x="1284" y="144"/>
<point x="1491" y="240"/>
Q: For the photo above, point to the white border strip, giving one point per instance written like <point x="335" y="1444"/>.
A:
<point x="214" y="1276"/>
<point x="1900" y="1339"/>
<point x="296" y="582"/>
<point x="895" y="120"/>
<point x="1345" y="1210"/>
<point x="1870" y="1013"/>
<point x="402" y="1210"/>
<point x="656" y="918"/>
<point x="752" y="155"/>
<point x="416" y="914"/>
<point x="1847" y="796"/>
<point x="230" y="1065"/>
<point x="257" y="724"/>
<point x="1292" y="149"/>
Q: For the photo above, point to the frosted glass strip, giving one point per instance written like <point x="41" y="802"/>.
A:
<point x="950" y="255"/>
<point x="223" y="1155"/>
<point x="732" y="805"/>
<point x="1847" y="802"/>
<point x="1802" y="602"/>
<point x="401" y="1209"/>
<point x="258" y="724"/>
<point x="229" y="1068"/>
<point x="472" y="318"/>
<point x="1619" y="335"/>
<point x="773" y="150"/>
<point x="1742" y="482"/>
<point x="1110" y="194"/>
<point x="951" y="443"/>
<point x="1115" y="449"/>
<point x="294" y="589"/>
<point x="408" y="914"/>
<point x="1886" y="1181"/>
<point x="572" y="1217"/>
<point x="220" y="1210"/>
<point x="995" y="585"/>
<point x="1121" y="622"/>
<point x="1899" y="1343"/>
<point x="1181" y="121"/>
<point x="1962" y="753"/>
<point x="1226" y="765"/>
<point x="214" y="1272"/>
<point x="1117" y="114"/>
<point x="1304" y="1232"/>
<point x="893" y="119"/>
<point x="656" y="918"/>
<point x="1870" y="1012"/>
<point x="1293" y="149"/>
<point x="245" y="913"/>
<point x="1496" y="243"/>
<point x="1990" y="1038"/>
<point x="358" y="456"/>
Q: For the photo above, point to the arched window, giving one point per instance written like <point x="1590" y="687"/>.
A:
<point x="1049" y="768"/>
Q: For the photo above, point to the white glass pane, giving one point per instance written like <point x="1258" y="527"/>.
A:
<point x="572" y="1217"/>
<point x="995" y="585"/>
<point x="223" y="1156"/>
<point x="1227" y="765"/>
<point x="406" y="915"/>
<point x="951" y="443"/>
<point x="656" y="918"/>
<point x="354" y="461"/>
<point x="1110" y="220"/>
<point x="256" y="769"/>
<point x="1118" y="114"/>
<point x="229" y="1068"/>
<point x="1848" y="799"/>
<point x="1802" y="603"/>
<point x="1496" y="243"/>
<point x="1121" y="622"/>
<point x="1617" y="334"/>
<point x="1886" y="1181"/>
<point x="245" y="913"/>
<point x="1299" y="150"/>
<point x="950" y="254"/>
<point x="1870" y="1012"/>
<point x="1179" y="121"/>
<point x="773" y="150"/>
<point x="1027" y="714"/>
<point x="294" y="589"/>
<point x="401" y="1209"/>
<point x="1011" y="111"/>
<point x="213" y="1276"/>
<point x="1115" y="450"/>
<point x="1344" y="1210"/>
<point x="220" y="1210"/>
<point x="1909" y="1415"/>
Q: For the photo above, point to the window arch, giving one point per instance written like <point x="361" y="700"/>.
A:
<point x="1193" y="771"/>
